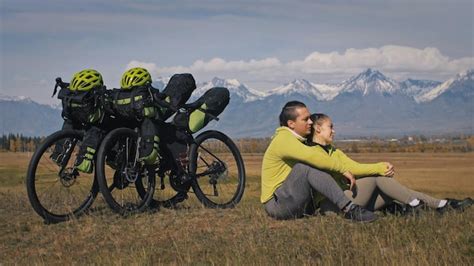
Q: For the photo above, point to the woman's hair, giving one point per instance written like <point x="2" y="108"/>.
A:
<point x="317" y="118"/>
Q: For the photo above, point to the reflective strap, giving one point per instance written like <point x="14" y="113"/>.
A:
<point x="89" y="156"/>
<point x="162" y="108"/>
<point x="149" y="111"/>
<point x="76" y="105"/>
<point x="90" y="150"/>
<point x="95" y="116"/>
<point x="128" y="100"/>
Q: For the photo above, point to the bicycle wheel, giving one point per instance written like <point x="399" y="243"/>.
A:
<point x="56" y="190"/>
<point x="218" y="168"/>
<point x="126" y="184"/>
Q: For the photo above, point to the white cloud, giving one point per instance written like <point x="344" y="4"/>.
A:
<point x="396" y="61"/>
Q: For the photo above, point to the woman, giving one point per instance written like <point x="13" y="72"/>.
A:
<point x="371" y="185"/>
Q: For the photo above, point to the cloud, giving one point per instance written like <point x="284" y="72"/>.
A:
<point x="396" y="61"/>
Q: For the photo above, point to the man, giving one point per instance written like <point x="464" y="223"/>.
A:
<point x="290" y="171"/>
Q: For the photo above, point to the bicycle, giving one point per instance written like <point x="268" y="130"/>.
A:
<point x="210" y="164"/>
<point x="56" y="190"/>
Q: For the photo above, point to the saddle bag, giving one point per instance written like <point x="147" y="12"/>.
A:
<point x="177" y="92"/>
<point x="212" y="103"/>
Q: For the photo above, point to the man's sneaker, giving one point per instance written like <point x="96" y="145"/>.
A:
<point x="358" y="214"/>
<point x="454" y="204"/>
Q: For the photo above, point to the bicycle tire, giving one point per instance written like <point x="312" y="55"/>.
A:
<point x="226" y="173"/>
<point x="123" y="195"/>
<point x="62" y="205"/>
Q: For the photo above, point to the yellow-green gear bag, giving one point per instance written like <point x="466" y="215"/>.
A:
<point x="211" y="102"/>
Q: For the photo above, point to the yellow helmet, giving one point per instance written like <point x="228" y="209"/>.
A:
<point x="86" y="80"/>
<point x="135" y="77"/>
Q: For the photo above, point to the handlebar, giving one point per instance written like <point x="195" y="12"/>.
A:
<point x="59" y="83"/>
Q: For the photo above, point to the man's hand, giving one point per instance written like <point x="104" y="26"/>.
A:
<point x="390" y="172"/>
<point x="351" y="179"/>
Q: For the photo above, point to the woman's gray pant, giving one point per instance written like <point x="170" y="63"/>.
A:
<point x="292" y="197"/>
<point x="373" y="193"/>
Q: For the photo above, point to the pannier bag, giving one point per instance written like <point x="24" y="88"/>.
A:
<point x="134" y="104"/>
<point x="177" y="92"/>
<point x="212" y="102"/>
<point x="82" y="107"/>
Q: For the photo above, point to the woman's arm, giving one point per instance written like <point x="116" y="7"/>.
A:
<point x="362" y="169"/>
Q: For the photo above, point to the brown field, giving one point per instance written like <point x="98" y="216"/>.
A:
<point x="192" y="234"/>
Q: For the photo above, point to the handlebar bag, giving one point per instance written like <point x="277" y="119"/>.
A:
<point x="213" y="102"/>
<point x="81" y="106"/>
<point x="134" y="104"/>
<point x="177" y="92"/>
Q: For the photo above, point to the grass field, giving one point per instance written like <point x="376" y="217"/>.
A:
<point x="192" y="234"/>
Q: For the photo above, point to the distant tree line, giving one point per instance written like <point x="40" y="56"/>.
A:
<point x="19" y="143"/>
<point x="461" y="143"/>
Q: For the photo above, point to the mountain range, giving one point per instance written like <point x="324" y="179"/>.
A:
<point x="367" y="104"/>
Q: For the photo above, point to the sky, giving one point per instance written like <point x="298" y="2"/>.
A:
<point x="263" y="44"/>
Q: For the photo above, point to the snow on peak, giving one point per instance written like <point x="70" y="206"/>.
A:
<point x="465" y="76"/>
<point x="234" y="87"/>
<point x="299" y="86"/>
<point x="8" y="98"/>
<point x="370" y="81"/>
<point x="415" y="88"/>
<point x="161" y="82"/>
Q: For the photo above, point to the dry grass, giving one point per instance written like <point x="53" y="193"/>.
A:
<point x="245" y="235"/>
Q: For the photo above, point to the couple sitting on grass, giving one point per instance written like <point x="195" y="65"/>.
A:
<point x="301" y="170"/>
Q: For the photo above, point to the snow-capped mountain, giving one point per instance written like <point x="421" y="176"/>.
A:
<point x="235" y="88"/>
<point x="298" y="86"/>
<point x="415" y="88"/>
<point x="463" y="82"/>
<point x="370" y="81"/>
<point x="366" y="104"/>
<point x="160" y="82"/>
<point x="24" y="116"/>
<point x="320" y="92"/>
<point x="7" y="98"/>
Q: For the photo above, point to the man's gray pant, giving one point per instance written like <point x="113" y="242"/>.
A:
<point x="291" y="198"/>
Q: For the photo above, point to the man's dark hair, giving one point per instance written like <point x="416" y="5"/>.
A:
<point x="288" y="112"/>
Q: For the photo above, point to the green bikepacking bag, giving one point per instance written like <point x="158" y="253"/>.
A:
<point x="210" y="104"/>
<point x="177" y="92"/>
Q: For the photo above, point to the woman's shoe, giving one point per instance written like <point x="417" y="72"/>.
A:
<point x="454" y="204"/>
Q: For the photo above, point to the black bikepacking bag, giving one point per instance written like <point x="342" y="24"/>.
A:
<point x="80" y="106"/>
<point x="134" y="104"/>
<point x="212" y="102"/>
<point x="177" y="92"/>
